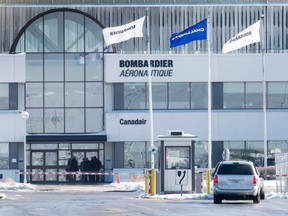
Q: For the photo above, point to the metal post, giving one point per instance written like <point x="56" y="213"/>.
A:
<point x="25" y="116"/>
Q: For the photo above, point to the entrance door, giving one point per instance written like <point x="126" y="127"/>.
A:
<point x="44" y="161"/>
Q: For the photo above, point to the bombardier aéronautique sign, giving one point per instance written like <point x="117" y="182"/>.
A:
<point x="140" y="68"/>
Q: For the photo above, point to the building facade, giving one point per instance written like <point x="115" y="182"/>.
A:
<point x="88" y="99"/>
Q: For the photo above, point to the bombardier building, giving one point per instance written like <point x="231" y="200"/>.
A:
<point x="87" y="99"/>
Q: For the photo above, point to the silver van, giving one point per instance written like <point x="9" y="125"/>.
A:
<point x="237" y="180"/>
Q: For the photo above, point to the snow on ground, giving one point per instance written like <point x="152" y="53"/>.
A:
<point x="10" y="185"/>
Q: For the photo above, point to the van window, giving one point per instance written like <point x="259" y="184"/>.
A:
<point x="235" y="169"/>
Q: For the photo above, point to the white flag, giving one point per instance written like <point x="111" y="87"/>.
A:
<point x="121" y="33"/>
<point x="248" y="36"/>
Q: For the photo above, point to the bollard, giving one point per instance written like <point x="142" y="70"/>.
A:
<point x="153" y="182"/>
<point x="147" y="182"/>
<point x="208" y="178"/>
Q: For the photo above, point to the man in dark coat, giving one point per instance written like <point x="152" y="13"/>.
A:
<point x="85" y="168"/>
<point x="73" y="164"/>
<point x="98" y="164"/>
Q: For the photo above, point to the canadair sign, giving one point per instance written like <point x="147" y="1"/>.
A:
<point x="162" y="68"/>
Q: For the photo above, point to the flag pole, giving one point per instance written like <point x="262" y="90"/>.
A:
<point x="209" y="94"/>
<point x="264" y="94"/>
<point x="153" y="172"/>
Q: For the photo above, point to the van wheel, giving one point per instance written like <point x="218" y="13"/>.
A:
<point x="217" y="199"/>
<point x="256" y="199"/>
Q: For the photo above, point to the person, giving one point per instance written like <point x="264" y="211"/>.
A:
<point x="84" y="168"/>
<point x="92" y="169"/>
<point x="98" y="164"/>
<point x="73" y="164"/>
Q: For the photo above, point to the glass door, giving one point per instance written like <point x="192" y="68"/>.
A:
<point x="44" y="161"/>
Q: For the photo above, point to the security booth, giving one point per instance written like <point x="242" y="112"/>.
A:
<point x="177" y="162"/>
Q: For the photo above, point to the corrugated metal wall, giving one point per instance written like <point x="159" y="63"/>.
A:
<point x="225" y="22"/>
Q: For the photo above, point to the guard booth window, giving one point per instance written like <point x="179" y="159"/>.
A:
<point x="177" y="157"/>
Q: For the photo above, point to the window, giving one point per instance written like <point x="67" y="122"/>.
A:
<point x="159" y="96"/>
<point x="134" y="95"/>
<point x="165" y="96"/>
<point x="199" y="95"/>
<point x="4" y="96"/>
<point x="177" y="157"/>
<point x="233" y="95"/>
<point x="4" y="155"/>
<point x="64" y="89"/>
<point x="235" y="169"/>
<point x="277" y="95"/>
<point x="244" y="95"/>
<point x="179" y="96"/>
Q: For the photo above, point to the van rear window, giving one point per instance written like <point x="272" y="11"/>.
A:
<point x="235" y="169"/>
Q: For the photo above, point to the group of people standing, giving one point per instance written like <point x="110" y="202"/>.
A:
<point x="93" y="165"/>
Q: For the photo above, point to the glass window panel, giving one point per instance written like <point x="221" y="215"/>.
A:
<point x="85" y="146"/>
<point x="159" y="95"/>
<point x="135" y="155"/>
<point x="53" y="67"/>
<point x="254" y="152"/>
<point x="275" y="147"/>
<point x="34" y="36"/>
<point x="177" y="157"/>
<point x="4" y="155"/>
<point x="51" y="177"/>
<point x="277" y="95"/>
<point x="94" y="120"/>
<point x="134" y="95"/>
<point x="34" y="67"/>
<point x="101" y="146"/>
<point x="94" y="67"/>
<point x="21" y="43"/>
<point x="50" y="158"/>
<point x="54" y="121"/>
<point x="37" y="177"/>
<point x="35" y="121"/>
<point x="4" y="96"/>
<point x="74" y="120"/>
<point x="254" y="95"/>
<point x="93" y="36"/>
<point x="62" y="178"/>
<point x="74" y="94"/>
<point x="236" y="149"/>
<point x="43" y="146"/>
<point x="28" y="162"/>
<point x="201" y="154"/>
<point x="63" y="162"/>
<point x="34" y="94"/>
<point x="233" y="95"/>
<point x="74" y="32"/>
<point x="94" y="94"/>
<point x="64" y="146"/>
<point x="53" y="32"/>
<point x="54" y="95"/>
<point x="64" y="155"/>
<point x="179" y="96"/>
<point x="37" y="158"/>
<point x="199" y="95"/>
<point x="74" y="67"/>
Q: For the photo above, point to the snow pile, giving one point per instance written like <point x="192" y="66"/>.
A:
<point x="10" y="184"/>
<point x="129" y="186"/>
<point x="273" y="195"/>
